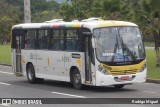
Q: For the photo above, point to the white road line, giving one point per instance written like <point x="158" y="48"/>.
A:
<point x="148" y="92"/>
<point x="146" y="83"/>
<point x="5" y="105"/>
<point x="4" y="83"/>
<point x="69" y="95"/>
<point x="6" y="73"/>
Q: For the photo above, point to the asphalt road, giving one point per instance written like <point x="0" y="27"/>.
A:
<point x="18" y="87"/>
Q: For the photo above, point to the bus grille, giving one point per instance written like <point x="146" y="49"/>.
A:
<point x="124" y="72"/>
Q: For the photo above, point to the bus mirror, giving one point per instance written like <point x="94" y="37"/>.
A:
<point x="93" y="43"/>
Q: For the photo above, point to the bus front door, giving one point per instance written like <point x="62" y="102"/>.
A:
<point x="87" y="47"/>
<point x="18" y="66"/>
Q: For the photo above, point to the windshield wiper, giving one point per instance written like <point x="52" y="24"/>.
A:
<point x="128" y="51"/>
<point x="115" y="48"/>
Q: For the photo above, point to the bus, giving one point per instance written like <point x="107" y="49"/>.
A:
<point x="91" y="52"/>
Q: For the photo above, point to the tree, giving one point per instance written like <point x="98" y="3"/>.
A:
<point x="45" y="16"/>
<point x="111" y="9"/>
<point x="82" y="9"/>
<point x="7" y="19"/>
<point x="152" y="15"/>
<point x="76" y="9"/>
<point x="37" y="7"/>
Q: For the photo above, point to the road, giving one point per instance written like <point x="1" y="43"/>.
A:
<point x="18" y="87"/>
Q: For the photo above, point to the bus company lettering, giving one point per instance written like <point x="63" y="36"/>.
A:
<point x="66" y="59"/>
<point x="35" y="56"/>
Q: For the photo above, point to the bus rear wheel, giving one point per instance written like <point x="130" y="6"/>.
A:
<point x="31" y="75"/>
<point x="119" y="86"/>
<point x="77" y="84"/>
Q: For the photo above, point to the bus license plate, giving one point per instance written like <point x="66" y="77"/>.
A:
<point x="125" y="78"/>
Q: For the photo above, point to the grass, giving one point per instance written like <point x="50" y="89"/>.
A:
<point x="5" y="54"/>
<point x="152" y="71"/>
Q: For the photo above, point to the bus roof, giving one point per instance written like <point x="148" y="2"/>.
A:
<point x="91" y="25"/>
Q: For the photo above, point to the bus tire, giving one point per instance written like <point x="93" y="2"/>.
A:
<point x="77" y="84"/>
<point x="119" y="86"/>
<point x="31" y="75"/>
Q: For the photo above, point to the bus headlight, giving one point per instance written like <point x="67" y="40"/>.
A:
<point x="102" y="70"/>
<point x="143" y="67"/>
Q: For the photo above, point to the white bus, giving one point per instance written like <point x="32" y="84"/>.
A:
<point x="91" y="52"/>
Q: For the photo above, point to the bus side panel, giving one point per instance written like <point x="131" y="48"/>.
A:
<point x="28" y="56"/>
<point x="75" y="59"/>
<point x="50" y="65"/>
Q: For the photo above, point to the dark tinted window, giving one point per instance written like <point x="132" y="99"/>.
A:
<point x="56" y="41"/>
<point x="72" y="40"/>
<point x="42" y="39"/>
<point x="29" y="39"/>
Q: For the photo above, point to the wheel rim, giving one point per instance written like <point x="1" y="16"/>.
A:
<point x="30" y="74"/>
<point x="77" y="78"/>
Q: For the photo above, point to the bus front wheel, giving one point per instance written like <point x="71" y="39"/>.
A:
<point x="77" y="84"/>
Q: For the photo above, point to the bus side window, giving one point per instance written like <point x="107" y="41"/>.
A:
<point x="72" y="40"/>
<point x="57" y="40"/>
<point x="42" y="42"/>
<point x="29" y="39"/>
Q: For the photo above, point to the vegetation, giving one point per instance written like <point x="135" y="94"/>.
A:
<point x="152" y="71"/>
<point x="7" y="19"/>
<point x="12" y="12"/>
<point x="5" y="54"/>
<point x="145" y="13"/>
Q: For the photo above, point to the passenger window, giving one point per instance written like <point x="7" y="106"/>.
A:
<point x="42" y="41"/>
<point x="57" y="40"/>
<point x="29" y="40"/>
<point x="72" y="40"/>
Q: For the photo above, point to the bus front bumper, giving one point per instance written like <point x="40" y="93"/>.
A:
<point x="108" y="80"/>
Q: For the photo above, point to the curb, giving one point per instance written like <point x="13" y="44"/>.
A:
<point x="5" y="64"/>
<point x="148" y="80"/>
<point x="157" y="81"/>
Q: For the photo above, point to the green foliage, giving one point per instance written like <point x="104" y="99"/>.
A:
<point x="37" y="7"/>
<point x="41" y="5"/>
<point x="80" y="9"/>
<point x="45" y="16"/>
<point x="12" y="12"/>
<point x="151" y="10"/>
<point x="111" y="8"/>
<point x="7" y="19"/>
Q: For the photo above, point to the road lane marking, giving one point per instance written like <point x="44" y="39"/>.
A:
<point x="5" y="105"/>
<point x="148" y="92"/>
<point x="148" y="83"/>
<point x="71" y="95"/>
<point x="6" y="73"/>
<point x="4" y="83"/>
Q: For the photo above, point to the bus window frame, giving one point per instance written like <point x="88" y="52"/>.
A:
<point x="79" y="38"/>
<point x="50" y="34"/>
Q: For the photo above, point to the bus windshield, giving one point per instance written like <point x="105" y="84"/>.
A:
<point x="118" y="44"/>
